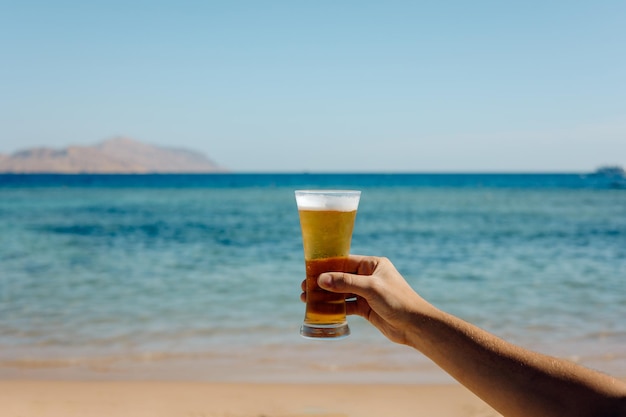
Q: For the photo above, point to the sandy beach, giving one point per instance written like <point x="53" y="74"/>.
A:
<point x="197" y="399"/>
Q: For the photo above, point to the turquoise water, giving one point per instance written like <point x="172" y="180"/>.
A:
<point x="203" y="281"/>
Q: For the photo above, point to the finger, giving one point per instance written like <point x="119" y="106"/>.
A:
<point x="357" y="307"/>
<point x="362" y="265"/>
<point x="343" y="282"/>
<point x="303" y="297"/>
<point x="303" y="285"/>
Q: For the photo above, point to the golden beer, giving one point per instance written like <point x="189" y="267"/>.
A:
<point x="327" y="221"/>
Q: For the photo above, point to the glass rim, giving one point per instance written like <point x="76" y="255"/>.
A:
<point x="334" y="200"/>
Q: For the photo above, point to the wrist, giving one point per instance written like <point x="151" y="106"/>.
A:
<point x="418" y="332"/>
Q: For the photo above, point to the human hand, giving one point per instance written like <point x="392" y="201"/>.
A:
<point x="376" y="291"/>
<point x="513" y="380"/>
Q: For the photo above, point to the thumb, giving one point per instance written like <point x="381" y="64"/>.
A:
<point x="344" y="282"/>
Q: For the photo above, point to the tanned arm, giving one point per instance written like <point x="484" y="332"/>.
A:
<point x="514" y="381"/>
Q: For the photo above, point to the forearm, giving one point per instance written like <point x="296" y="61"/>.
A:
<point x="514" y="381"/>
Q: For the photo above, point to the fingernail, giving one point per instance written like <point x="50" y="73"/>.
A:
<point x="324" y="280"/>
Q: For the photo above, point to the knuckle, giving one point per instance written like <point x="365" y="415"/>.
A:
<point x="344" y="281"/>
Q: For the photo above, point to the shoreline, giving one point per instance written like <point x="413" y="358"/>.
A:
<point x="225" y="370"/>
<point x="302" y="362"/>
<point x="192" y="389"/>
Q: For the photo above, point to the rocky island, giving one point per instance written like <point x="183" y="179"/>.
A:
<point x="117" y="155"/>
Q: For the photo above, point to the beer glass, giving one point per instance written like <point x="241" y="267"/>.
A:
<point x="326" y="219"/>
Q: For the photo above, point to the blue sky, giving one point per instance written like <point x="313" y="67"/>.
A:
<point x="323" y="85"/>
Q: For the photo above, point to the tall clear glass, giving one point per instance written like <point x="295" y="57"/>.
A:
<point x="327" y="220"/>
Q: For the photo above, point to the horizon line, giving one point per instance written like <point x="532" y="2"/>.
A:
<point x="321" y="172"/>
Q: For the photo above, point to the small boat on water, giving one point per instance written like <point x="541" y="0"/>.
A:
<point x="610" y="172"/>
<point x="614" y="176"/>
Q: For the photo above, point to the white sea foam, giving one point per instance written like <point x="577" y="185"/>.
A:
<point x="337" y="200"/>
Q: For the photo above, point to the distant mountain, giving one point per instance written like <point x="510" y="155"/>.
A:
<point x="117" y="155"/>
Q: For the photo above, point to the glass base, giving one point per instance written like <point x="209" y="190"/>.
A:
<point x="324" y="331"/>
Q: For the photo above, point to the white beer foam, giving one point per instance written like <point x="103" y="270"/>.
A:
<point x="336" y="200"/>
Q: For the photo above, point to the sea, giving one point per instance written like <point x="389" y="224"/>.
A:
<point x="197" y="276"/>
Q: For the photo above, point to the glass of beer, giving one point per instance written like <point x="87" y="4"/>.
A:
<point x="327" y="220"/>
